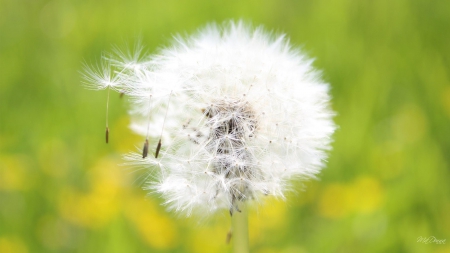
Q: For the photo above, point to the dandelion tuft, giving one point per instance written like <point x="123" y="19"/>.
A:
<point x="239" y="115"/>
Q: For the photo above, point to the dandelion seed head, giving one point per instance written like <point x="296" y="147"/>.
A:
<point x="248" y="114"/>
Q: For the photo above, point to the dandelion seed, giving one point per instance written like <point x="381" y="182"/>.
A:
<point x="145" y="149"/>
<point x="100" y="78"/>
<point x="158" y="148"/>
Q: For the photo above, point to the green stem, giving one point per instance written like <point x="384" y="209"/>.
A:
<point x="239" y="228"/>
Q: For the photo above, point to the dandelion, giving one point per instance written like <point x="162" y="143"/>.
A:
<point x="239" y="115"/>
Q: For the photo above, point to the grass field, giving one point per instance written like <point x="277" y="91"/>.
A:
<point x="62" y="189"/>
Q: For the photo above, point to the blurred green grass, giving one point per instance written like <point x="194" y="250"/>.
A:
<point x="386" y="183"/>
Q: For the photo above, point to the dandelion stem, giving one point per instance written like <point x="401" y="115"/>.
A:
<point x="239" y="227"/>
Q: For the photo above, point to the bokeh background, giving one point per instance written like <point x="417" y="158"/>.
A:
<point x="62" y="189"/>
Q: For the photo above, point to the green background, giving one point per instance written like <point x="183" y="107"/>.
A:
<point x="62" y="189"/>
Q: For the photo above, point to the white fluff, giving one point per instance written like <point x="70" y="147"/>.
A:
<point x="247" y="115"/>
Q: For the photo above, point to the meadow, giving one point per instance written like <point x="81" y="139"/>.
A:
<point x="386" y="184"/>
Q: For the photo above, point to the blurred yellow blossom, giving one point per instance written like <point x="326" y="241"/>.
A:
<point x="11" y="244"/>
<point x="270" y="216"/>
<point x="154" y="225"/>
<point x="101" y="204"/>
<point x="13" y="175"/>
<point x="335" y="201"/>
<point x="368" y="194"/>
<point x="364" y="195"/>
<point x="208" y="238"/>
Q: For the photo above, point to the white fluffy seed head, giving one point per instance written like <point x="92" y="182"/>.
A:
<point x="247" y="115"/>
